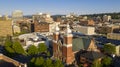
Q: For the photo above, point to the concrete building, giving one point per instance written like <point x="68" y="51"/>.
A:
<point x="115" y="36"/>
<point x="17" y="15"/>
<point x="42" y="18"/>
<point x="106" y="18"/>
<point x="31" y="39"/>
<point x="6" y="28"/>
<point x="107" y="29"/>
<point x="85" y="30"/>
<point x="118" y="50"/>
<point x="16" y="29"/>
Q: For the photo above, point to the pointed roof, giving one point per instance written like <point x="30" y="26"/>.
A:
<point x="92" y="55"/>
<point x="68" y="30"/>
<point x="56" y="27"/>
<point x="80" y="43"/>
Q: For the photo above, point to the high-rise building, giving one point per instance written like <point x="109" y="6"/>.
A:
<point x="17" y="15"/>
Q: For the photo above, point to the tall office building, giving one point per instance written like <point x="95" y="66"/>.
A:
<point x="17" y="15"/>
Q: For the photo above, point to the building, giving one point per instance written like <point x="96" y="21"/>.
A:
<point x="106" y="18"/>
<point x="16" y="29"/>
<point x="6" y="28"/>
<point x="107" y="29"/>
<point x="66" y="46"/>
<point x="115" y="36"/>
<point x="9" y="62"/>
<point x="85" y="30"/>
<point x="41" y="26"/>
<point x="42" y="17"/>
<point x="117" y="50"/>
<point x="44" y="23"/>
<point x="31" y="39"/>
<point x="87" y="22"/>
<point x="17" y="15"/>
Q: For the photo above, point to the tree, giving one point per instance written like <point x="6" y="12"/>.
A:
<point x="96" y="63"/>
<point x="8" y="47"/>
<point x="109" y="48"/>
<point x="32" y="50"/>
<point x="42" y="47"/>
<point x="32" y="62"/>
<point x="106" y="61"/>
<point x="18" y="48"/>
<point x="58" y="63"/>
<point x="8" y="42"/>
<point x="39" y="62"/>
<point x="48" y="63"/>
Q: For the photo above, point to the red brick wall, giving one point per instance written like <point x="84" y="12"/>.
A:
<point x="39" y="27"/>
<point x="68" y="54"/>
<point x="68" y="40"/>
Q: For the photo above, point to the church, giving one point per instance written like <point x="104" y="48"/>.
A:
<point x="66" y="46"/>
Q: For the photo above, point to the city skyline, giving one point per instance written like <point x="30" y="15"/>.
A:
<point x="59" y="6"/>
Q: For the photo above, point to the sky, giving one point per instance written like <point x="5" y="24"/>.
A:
<point x="53" y="7"/>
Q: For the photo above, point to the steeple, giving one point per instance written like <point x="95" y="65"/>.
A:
<point x="56" y="33"/>
<point x="56" y="27"/>
<point x="68" y="30"/>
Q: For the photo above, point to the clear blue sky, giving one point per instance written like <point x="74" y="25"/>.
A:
<point x="59" y="6"/>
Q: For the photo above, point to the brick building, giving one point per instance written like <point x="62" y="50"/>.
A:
<point x="87" y="22"/>
<point x="41" y="26"/>
<point x="67" y="45"/>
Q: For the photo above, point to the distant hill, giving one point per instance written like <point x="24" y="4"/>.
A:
<point x="115" y="15"/>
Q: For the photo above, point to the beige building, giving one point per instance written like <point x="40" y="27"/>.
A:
<point x="42" y="17"/>
<point x="6" y="27"/>
<point x="118" y="50"/>
<point x="17" y="15"/>
<point x="16" y="29"/>
<point x="115" y="36"/>
<point x="84" y="30"/>
<point x="106" y="18"/>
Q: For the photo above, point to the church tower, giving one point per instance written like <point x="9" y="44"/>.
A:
<point x="55" y="41"/>
<point x="67" y="52"/>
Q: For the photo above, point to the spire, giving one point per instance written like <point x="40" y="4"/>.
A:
<point x="68" y="30"/>
<point x="56" y="28"/>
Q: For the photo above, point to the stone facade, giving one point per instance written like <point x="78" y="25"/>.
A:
<point x="115" y="36"/>
<point x="6" y="28"/>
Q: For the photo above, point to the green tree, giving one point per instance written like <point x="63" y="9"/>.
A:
<point x="8" y="42"/>
<point x="32" y="62"/>
<point x="42" y="47"/>
<point x="80" y="65"/>
<point x="109" y="48"/>
<point x="39" y="62"/>
<point x="48" y="63"/>
<point x="18" y="48"/>
<point x="32" y="50"/>
<point x="106" y="61"/>
<point x="8" y="47"/>
<point x="96" y="63"/>
<point x="58" y="63"/>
